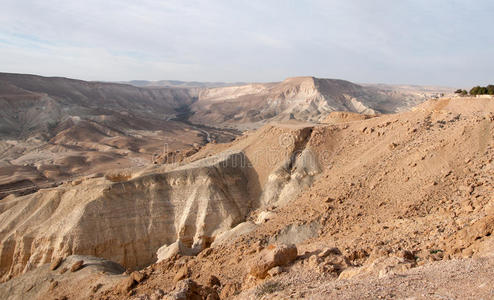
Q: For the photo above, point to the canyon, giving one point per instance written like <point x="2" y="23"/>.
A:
<point x="366" y="182"/>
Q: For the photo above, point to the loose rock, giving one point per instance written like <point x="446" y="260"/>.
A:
<point x="126" y="285"/>
<point x="77" y="266"/>
<point x="182" y="273"/>
<point x="56" y="263"/>
<point x="275" y="271"/>
<point x="137" y="276"/>
<point x="189" y="290"/>
<point x="271" y="257"/>
<point x="214" y="281"/>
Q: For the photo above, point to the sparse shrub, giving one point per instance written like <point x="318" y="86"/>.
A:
<point x="482" y="90"/>
<point x="490" y="89"/>
<point x="268" y="287"/>
<point x="118" y="177"/>
<point x="52" y="125"/>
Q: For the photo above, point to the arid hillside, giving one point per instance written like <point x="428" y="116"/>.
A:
<point x="357" y="206"/>
<point x="178" y="84"/>
<point x="34" y="104"/>
<point x="301" y="98"/>
<point x="52" y="129"/>
<point x="55" y="129"/>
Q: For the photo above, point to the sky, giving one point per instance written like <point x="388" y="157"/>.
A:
<point x="427" y="42"/>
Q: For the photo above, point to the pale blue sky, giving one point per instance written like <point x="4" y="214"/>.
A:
<point x="436" y="42"/>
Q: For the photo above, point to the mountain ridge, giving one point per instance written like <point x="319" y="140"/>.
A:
<point x="54" y="127"/>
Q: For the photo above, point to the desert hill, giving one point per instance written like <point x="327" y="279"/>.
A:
<point x="186" y="203"/>
<point x="32" y="102"/>
<point x="178" y="83"/>
<point x="52" y="129"/>
<point x="366" y="199"/>
<point x="55" y="128"/>
<point x="302" y="98"/>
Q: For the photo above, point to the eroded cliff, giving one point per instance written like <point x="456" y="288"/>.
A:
<point x="128" y="218"/>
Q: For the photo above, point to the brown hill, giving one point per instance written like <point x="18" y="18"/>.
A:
<point x="52" y="129"/>
<point x="302" y="98"/>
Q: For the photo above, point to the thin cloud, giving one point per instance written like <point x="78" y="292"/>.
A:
<point x="422" y="42"/>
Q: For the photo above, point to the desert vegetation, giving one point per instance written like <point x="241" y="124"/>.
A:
<point x="482" y="90"/>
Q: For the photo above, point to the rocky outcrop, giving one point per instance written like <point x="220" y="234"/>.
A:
<point x="272" y="256"/>
<point x="189" y="290"/>
<point x="43" y="283"/>
<point x="125" y="221"/>
<point x="291" y="177"/>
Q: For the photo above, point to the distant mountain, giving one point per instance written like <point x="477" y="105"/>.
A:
<point x="303" y="98"/>
<point x="53" y="128"/>
<point x="33" y="103"/>
<point x="177" y="83"/>
<point x="412" y="89"/>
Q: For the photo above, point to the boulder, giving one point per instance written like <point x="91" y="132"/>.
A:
<point x="56" y="263"/>
<point x="167" y="251"/>
<point x="126" y="285"/>
<point x="137" y="276"/>
<point x="329" y="260"/>
<point x="407" y="255"/>
<point x="182" y="273"/>
<point x="77" y="266"/>
<point x="271" y="257"/>
<point x="189" y="290"/>
<point x="275" y="271"/>
<point x="214" y="281"/>
<point x="229" y="236"/>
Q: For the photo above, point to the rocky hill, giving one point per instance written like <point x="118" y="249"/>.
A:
<point x="36" y="104"/>
<point x="178" y="83"/>
<point x="52" y="129"/>
<point x="391" y="205"/>
<point x="302" y="98"/>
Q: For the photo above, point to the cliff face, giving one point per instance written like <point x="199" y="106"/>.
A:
<point x="125" y="221"/>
